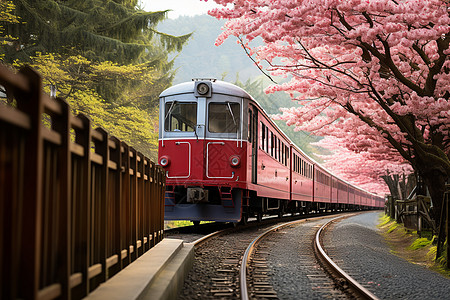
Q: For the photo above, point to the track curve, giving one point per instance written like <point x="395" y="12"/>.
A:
<point x="356" y="287"/>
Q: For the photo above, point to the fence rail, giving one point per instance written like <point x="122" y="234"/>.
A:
<point x="76" y="205"/>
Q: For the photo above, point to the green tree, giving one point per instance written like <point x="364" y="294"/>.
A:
<point x="7" y="17"/>
<point x="77" y="77"/>
<point x="112" y="30"/>
<point x="100" y="30"/>
<point x="104" y="57"/>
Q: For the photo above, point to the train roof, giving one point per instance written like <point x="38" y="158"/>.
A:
<point x="218" y="86"/>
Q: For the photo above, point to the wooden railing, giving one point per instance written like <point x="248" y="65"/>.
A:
<point x="76" y="205"/>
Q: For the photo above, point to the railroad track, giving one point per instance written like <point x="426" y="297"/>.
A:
<point x="340" y="276"/>
<point x="232" y="263"/>
<point x="344" y="286"/>
<point x="255" y="269"/>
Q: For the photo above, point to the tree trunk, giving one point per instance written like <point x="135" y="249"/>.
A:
<point x="392" y="185"/>
<point x="435" y="182"/>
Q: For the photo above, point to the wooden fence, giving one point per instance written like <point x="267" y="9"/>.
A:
<point x="412" y="213"/>
<point x="76" y="205"/>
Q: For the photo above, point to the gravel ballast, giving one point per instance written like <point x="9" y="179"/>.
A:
<point x="357" y="246"/>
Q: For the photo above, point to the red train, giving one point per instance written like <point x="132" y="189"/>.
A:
<point x="225" y="160"/>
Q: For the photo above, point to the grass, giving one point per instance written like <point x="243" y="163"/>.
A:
<point x="420" y="243"/>
<point x="176" y="224"/>
<point x="409" y="245"/>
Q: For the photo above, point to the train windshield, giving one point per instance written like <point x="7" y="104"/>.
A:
<point x="223" y="117"/>
<point x="180" y="116"/>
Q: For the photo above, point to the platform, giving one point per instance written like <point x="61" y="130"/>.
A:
<point x="158" y="274"/>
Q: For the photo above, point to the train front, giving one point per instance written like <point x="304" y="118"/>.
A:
<point x="203" y="149"/>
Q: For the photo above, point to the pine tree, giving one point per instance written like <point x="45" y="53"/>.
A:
<point x="99" y="30"/>
<point x="105" y="58"/>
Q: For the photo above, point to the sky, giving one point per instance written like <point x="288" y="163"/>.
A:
<point x="179" y="7"/>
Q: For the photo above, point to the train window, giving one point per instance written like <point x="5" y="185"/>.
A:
<point x="277" y="146"/>
<point x="272" y="143"/>
<point x="262" y="142"/>
<point x="302" y="170"/>
<point x="223" y="117"/>
<point x="287" y="155"/>
<point x="279" y="151"/>
<point x="250" y="127"/>
<point x="180" y="116"/>
<point x="267" y="139"/>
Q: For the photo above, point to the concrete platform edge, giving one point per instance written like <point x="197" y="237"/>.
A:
<point x="158" y="274"/>
<point x="170" y="281"/>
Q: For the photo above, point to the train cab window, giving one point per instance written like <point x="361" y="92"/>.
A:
<point x="180" y="116"/>
<point x="224" y="117"/>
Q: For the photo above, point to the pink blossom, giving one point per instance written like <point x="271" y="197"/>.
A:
<point x="320" y="44"/>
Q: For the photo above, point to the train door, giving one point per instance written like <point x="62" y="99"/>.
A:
<point x="253" y="140"/>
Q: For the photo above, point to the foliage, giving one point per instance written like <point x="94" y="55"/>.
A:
<point x="176" y="224"/>
<point x="76" y="78"/>
<point x="6" y="17"/>
<point x="113" y="30"/>
<point x="393" y="227"/>
<point x="104" y="57"/>
<point x="271" y="104"/>
<point x="442" y="260"/>
<point x="384" y="219"/>
<point x="420" y="243"/>
<point x="373" y="74"/>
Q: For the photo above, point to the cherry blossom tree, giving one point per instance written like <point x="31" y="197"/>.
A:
<point x="373" y="73"/>
<point x="381" y="172"/>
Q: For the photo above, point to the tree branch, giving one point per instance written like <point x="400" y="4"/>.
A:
<point x="256" y="64"/>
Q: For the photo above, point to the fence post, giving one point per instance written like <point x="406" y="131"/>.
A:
<point x="82" y="219"/>
<point x="62" y="125"/>
<point x="30" y="251"/>
<point x="102" y="149"/>
<point x="115" y="203"/>
<point x="447" y="202"/>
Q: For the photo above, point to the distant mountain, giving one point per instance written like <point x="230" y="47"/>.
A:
<point x="200" y="58"/>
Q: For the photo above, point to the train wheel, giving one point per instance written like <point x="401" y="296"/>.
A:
<point x="244" y="219"/>
<point x="259" y="216"/>
<point x="280" y="213"/>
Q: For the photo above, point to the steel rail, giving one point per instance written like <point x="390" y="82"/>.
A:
<point x="362" y="291"/>
<point x="249" y="250"/>
<point x="207" y="237"/>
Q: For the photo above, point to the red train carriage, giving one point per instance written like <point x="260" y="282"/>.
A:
<point x="204" y="149"/>
<point x="226" y="160"/>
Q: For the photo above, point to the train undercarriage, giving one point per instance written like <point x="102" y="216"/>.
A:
<point x="224" y="204"/>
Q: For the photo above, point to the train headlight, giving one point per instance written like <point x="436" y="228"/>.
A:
<point x="202" y="88"/>
<point x="164" y="161"/>
<point x="235" y="161"/>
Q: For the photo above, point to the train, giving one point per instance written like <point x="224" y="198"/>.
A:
<point x="225" y="160"/>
